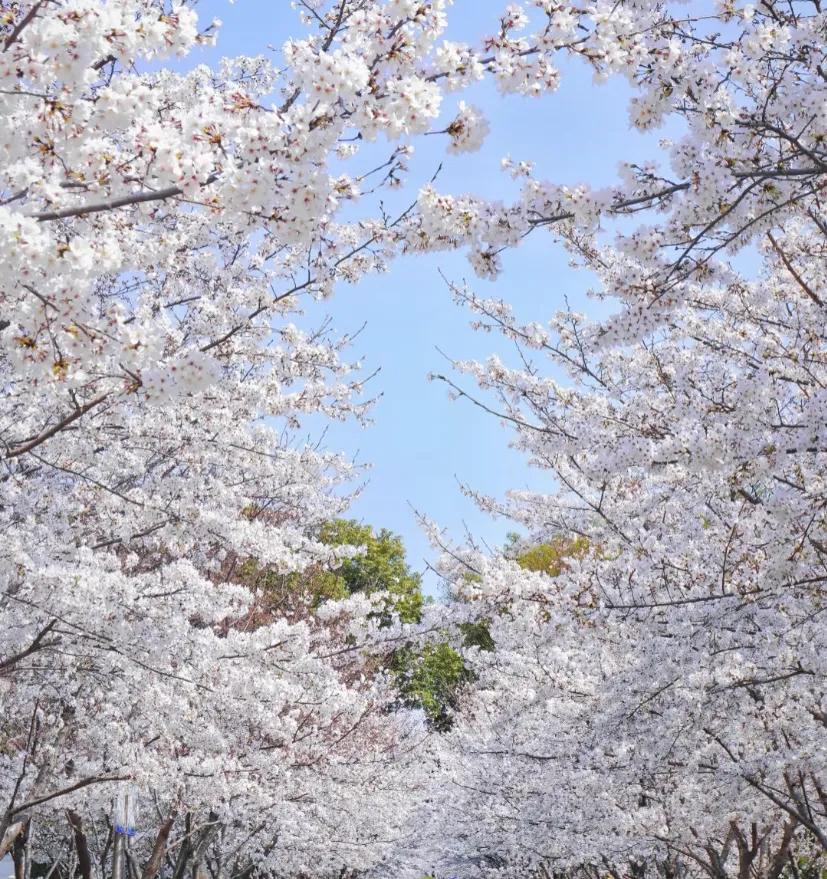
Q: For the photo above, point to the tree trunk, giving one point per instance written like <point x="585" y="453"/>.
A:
<point x="10" y="835"/>
<point x="184" y="851"/>
<point x="81" y="845"/>
<point x="27" y="868"/>
<point x="159" y="850"/>
<point x="200" y="850"/>
<point x="19" y="852"/>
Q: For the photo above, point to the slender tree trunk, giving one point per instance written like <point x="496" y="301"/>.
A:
<point x="84" y="869"/>
<point x="782" y="853"/>
<point x="27" y="869"/>
<point x="200" y="849"/>
<point x="19" y="852"/>
<point x="132" y="864"/>
<point x="219" y="861"/>
<point x="184" y="851"/>
<point x="118" y="846"/>
<point x="159" y="850"/>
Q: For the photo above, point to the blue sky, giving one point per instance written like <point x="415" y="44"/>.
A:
<point x="421" y="444"/>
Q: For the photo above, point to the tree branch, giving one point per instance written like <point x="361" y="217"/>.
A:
<point x="37" y="644"/>
<point x="56" y="428"/>
<point x="114" y="203"/>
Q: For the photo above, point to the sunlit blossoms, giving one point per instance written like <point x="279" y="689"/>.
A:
<point x="467" y="130"/>
<point x="656" y="702"/>
<point x="652" y="699"/>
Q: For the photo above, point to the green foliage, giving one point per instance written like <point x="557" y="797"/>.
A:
<point x="550" y="558"/>
<point x="430" y="679"/>
<point x="477" y="634"/>
<point x="316" y="586"/>
<point x="806" y="867"/>
<point x="381" y="567"/>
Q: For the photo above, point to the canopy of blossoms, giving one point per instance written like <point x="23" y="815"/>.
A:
<point x="658" y="703"/>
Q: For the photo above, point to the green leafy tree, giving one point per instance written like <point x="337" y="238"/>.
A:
<point x="382" y="567"/>
<point x="551" y="558"/>
<point x="431" y="676"/>
<point x="548" y="558"/>
<point x="379" y="567"/>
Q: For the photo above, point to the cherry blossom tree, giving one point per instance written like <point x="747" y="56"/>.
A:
<point x="158" y="229"/>
<point x="661" y="701"/>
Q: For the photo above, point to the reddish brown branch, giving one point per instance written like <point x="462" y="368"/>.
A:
<point x="792" y="270"/>
<point x="14" y="36"/>
<point x="85" y="782"/>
